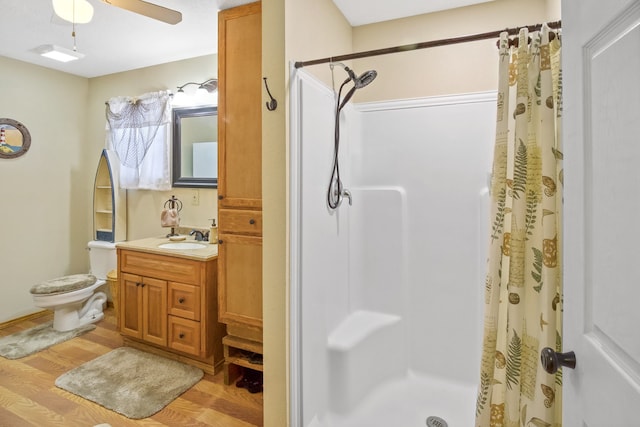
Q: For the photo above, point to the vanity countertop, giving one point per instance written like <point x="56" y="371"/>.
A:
<point x="152" y="245"/>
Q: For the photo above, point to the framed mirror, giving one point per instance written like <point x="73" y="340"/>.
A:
<point x="195" y="147"/>
<point x="15" y="139"/>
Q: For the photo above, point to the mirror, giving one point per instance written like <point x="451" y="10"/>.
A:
<point x="195" y="147"/>
<point x="15" y="139"/>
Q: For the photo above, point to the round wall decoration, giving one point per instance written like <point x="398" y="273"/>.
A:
<point x="15" y="139"/>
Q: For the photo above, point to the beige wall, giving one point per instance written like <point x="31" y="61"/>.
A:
<point x="462" y="68"/>
<point x="274" y="253"/>
<point x="44" y="230"/>
<point x="47" y="194"/>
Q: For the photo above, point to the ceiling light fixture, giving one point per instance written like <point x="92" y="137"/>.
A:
<point x="58" y="53"/>
<point x="76" y="11"/>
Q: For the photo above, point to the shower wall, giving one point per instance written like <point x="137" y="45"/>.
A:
<point x="391" y="285"/>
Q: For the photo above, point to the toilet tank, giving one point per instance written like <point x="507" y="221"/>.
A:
<point x="102" y="256"/>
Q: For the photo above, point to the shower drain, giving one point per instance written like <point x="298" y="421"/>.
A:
<point x="434" y="421"/>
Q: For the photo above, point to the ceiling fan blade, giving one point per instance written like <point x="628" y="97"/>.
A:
<point x="151" y="10"/>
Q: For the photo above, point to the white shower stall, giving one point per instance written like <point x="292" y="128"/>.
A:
<point x="386" y="292"/>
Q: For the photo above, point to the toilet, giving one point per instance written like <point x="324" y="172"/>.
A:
<point x="74" y="299"/>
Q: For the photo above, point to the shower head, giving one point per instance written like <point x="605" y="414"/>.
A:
<point x="365" y="78"/>
<point x="360" y="81"/>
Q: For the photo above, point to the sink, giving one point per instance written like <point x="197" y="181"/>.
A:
<point x="182" y="245"/>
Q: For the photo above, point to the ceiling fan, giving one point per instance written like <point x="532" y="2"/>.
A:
<point x="81" y="11"/>
<point x="151" y="10"/>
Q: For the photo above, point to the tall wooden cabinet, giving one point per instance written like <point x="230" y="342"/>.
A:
<point x="240" y="181"/>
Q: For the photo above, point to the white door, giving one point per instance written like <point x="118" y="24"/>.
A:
<point x="601" y="61"/>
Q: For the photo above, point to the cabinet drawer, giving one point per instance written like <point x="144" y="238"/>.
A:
<point x="184" y="335"/>
<point x="184" y="300"/>
<point x="240" y="221"/>
<point x="160" y="266"/>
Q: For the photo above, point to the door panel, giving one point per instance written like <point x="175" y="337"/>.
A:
<point x="601" y="61"/>
<point x="240" y="260"/>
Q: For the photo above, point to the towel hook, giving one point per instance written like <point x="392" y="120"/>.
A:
<point x="272" y="104"/>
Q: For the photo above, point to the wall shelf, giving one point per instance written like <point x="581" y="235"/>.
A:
<point x="109" y="201"/>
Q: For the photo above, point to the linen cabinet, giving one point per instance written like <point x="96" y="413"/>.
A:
<point x="240" y="184"/>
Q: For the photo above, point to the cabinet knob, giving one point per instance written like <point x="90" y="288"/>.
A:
<point x="220" y="242"/>
<point x="220" y="197"/>
<point x="181" y="300"/>
<point x="181" y="335"/>
<point x="252" y="221"/>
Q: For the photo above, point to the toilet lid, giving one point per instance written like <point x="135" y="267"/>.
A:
<point x="64" y="284"/>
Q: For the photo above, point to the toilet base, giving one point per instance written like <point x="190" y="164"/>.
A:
<point x="72" y="316"/>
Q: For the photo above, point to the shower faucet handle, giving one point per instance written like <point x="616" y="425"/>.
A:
<point x="346" y="193"/>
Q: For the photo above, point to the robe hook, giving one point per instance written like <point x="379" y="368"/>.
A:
<point x="272" y="104"/>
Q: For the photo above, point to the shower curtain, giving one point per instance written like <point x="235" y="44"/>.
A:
<point x="523" y="284"/>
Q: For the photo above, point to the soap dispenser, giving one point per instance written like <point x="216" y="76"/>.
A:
<point x="213" y="232"/>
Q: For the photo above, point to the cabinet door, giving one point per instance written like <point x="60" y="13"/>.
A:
<point x="240" y="106"/>
<point x="130" y="305"/>
<point x="154" y="311"/>
<point x="240" y="280"/>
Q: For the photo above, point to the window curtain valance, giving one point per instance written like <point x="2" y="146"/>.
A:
<point x="138" y="131"/>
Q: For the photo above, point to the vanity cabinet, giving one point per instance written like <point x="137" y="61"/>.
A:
<point x="240" y="182"/>
<point x="170" y="303"/>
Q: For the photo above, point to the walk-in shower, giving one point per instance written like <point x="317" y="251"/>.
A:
<point x="386" y="293"/>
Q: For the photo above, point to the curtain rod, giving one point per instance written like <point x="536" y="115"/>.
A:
<point x="423" y="45"/>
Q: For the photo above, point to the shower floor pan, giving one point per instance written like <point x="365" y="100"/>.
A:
<point x="409" y="402"/>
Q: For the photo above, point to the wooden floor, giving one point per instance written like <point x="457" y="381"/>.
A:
<point x="29" y="397"/>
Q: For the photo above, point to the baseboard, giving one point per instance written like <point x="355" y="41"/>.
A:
<point x="31" y="316"/>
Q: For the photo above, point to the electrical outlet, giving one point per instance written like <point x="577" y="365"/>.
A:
<point x="195" y="198"/>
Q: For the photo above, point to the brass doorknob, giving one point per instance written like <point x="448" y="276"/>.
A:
<point x="551" y="361"/>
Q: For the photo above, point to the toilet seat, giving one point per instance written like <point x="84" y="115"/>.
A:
<point x="64" y="284"/>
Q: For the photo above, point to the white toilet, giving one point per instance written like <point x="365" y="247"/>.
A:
<point x="73" y="298"/>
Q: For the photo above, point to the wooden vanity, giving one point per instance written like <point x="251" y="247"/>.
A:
<point x="169" y="301"/>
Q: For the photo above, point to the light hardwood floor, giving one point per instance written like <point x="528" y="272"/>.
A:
<point x="29" y="397"/>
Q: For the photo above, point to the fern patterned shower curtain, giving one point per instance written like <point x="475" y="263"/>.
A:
<point x="523" y="285"/>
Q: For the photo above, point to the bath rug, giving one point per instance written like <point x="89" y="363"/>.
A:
<point x="130" y="382"/>
<point x="36" y="339"/>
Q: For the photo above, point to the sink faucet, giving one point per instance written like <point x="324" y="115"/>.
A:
<point x="200" y="236"/>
